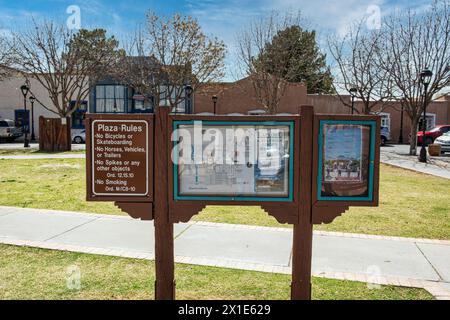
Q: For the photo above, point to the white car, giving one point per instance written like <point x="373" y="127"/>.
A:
<point x="444" y="142"/>
<point x="78" y="136"/>
<point x="8" y="130"/>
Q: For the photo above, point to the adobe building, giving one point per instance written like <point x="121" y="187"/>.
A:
<point x="438" y="112"/>
<point x="240" y="97"/>
<point x="233" y="98"/>
<point x="12" y="104"/>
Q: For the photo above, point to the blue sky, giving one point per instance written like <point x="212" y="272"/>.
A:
<point x="223" y="19"/>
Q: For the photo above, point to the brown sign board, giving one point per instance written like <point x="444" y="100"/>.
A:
<point x="333" y="163"/>
<point x="119" y="150"/>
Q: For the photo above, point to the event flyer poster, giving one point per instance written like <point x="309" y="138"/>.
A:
<point x="345" y="162"/>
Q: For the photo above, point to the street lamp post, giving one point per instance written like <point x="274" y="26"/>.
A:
<point x="25" y="89"/>
<point x="353" y="91"/>
<point x="214" y="99"/>
<point x="188" y="90"/>
<point x="425" y="79"/>
<point x="32" y="100"/>
<point x="400" y="137"/>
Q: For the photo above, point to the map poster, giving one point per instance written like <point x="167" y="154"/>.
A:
<point x="345" y="160"/>
<point x="236" y="161"/>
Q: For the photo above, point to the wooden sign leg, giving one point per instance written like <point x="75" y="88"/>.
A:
<point x="164" y="243"/>
<point x="303" y="229"/>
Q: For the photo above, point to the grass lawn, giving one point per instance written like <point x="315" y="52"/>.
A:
<point x="28" y="273"/>
<point x="32" y="151"/>
<point x="411" y="204"/>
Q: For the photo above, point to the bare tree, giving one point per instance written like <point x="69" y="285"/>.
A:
<point x="5" y="57"/>
<point x="138" y="69"/>
<point x="357" y="56"/>
<point x="414" y="41"/>
<point x="65" y="63"/>
<point x="168" y="54"/>
<point x="252" y="43"/>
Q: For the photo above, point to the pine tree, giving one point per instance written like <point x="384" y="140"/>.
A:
<point x="293" y="54"/>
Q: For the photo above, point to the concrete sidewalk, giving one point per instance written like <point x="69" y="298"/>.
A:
<point x="375" y="259"/>
<point x="397" y="155"/>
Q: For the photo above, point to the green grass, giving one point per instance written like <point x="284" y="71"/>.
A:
<point x="411" y="204"/>
<point x="58" y="184"/>
<point x="31" y="151"/>
<point x="29" y="273"/>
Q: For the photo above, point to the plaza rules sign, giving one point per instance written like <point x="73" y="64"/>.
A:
<point x="119" y="151"/>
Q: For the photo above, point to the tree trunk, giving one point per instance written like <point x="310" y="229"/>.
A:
<point x="413" y="138"/>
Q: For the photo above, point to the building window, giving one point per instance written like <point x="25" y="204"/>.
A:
<point x="110" y="99"/>
<point x="78" y="115"/>
<point x="142" y="104"/>
<point x="385" y="120"/>
<point x="22" y="119"/>
<point x="430" y="121"/>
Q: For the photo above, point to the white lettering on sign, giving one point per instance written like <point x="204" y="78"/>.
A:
<point x="119" y="151"/>
<point x="117" y="128"/>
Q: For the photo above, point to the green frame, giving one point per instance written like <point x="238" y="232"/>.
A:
<point x="373" y="130"/>
<point x="289" y="198"/>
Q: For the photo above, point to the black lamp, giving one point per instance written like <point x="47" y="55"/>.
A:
<point x="32" y="99"/>
<point x="25" y="89"/>
<point x="188" y="90"/>
<point x="425" y="79"/>
<point x="215" y="99"/>
<point x="353" y="91"/>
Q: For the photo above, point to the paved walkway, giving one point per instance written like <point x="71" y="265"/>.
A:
<point x="398" y="155"/>
<point x="374" y="259"/>
<point x="33" y="146"/>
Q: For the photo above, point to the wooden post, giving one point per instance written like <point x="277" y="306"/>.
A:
<point x="164" y="243"/>
<point x="303" y="229"/>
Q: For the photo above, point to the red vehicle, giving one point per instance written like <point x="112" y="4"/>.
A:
<point x="433" y="134"/>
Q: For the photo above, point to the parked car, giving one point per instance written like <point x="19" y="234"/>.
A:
<point x="431" y="135"/>
<point x="79" y="136"/>
<point x="444" y="142"/>
<point x="385" y="135"/>
<point x="8" y="130"/>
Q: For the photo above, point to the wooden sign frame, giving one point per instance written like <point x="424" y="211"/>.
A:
<point x="374" y="162"/>
<point x="302" y="211"/>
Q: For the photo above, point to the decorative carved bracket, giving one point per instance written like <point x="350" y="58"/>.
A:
<point x="326" y="215"/>
<point x="184" y="213"/>
<point x="137" y="210"/>
<point x="282" y="213"/>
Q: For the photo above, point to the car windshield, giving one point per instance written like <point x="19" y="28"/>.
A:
<point x="435" y="129"/>
<point x="447" y="134"/>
